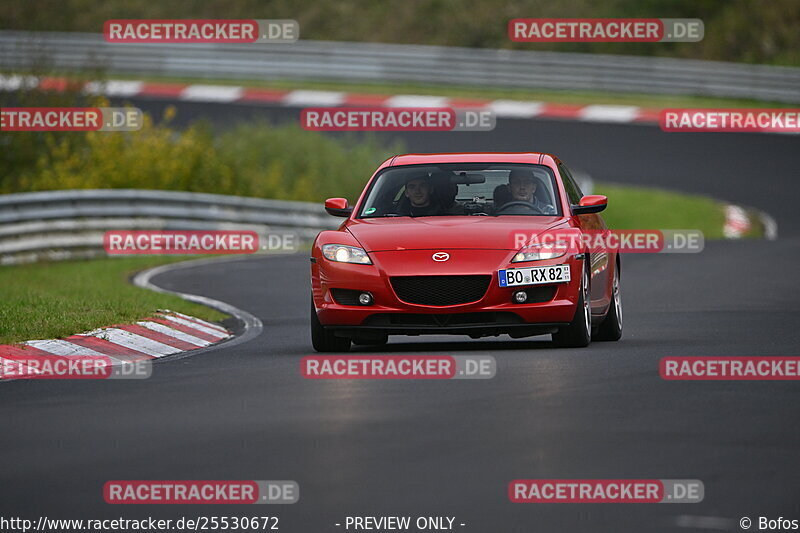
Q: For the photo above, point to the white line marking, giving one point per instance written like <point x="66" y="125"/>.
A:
<point x="114" y="88"/>
<point x="134" y="341"/>
<point x="212" y="93"/>
<point x="314" y="98"/>
<point x="416" y="100"/>
<point x="516" y="108"/>
<point x="770" y="226"/>
<point x="201" y="321"/>
<point x="166" y="330"/>
<point x="252" y="326"/>
<point x="609" y="113"/>
<point x="198" y="327"/>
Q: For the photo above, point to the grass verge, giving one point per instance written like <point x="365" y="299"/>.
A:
<point x="650" y="208"/>
<point x="53" y="300"/>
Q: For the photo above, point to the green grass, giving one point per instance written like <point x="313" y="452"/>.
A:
<point x="646" y="208"/>
<point x="54" y="300"/>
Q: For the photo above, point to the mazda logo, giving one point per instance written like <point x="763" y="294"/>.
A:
<point x="441" y="256"/>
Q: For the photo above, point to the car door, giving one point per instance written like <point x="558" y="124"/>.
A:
<point x="599" y="259"/>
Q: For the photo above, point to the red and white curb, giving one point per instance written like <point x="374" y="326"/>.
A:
<point x="166" y="333"/>
<point x="311" y="98"/>
<point x="738" y="223"/>
<point x="600" y="113"/>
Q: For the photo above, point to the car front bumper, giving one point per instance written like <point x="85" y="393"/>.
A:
<point x="494" y="313"/>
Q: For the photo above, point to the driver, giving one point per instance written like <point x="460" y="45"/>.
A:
<point x="421" y="202"/>
<point x="522" y="185"/>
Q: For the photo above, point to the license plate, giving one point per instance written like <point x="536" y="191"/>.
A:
<point x="513" y="277"/>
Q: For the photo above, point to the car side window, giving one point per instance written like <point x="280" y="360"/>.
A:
<point x="573" y="191"/>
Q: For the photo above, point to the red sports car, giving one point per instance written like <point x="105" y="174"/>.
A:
<point x="450" y="244"/>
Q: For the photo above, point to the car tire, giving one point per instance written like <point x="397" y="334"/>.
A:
<point x="611" y="328"/>
<point x="324" y="340"/>
<point x="578" y="334"/>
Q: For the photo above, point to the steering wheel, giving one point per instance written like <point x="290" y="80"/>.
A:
<point x="519" y="203"/>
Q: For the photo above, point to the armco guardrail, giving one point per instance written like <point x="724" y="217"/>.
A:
<point x="371" y="62"/>
<point x="54" y="225"/>
<point x="69" y="224"/>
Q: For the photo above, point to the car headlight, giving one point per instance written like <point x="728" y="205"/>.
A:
<point x="345" y="254"/>
<point x="538" y="252"/>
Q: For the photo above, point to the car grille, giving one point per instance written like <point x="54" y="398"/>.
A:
<point x="346" y="296"/>
<point x="440" y="290"/>
<point x="443" y="320"/>
<point x="540" y="294"/>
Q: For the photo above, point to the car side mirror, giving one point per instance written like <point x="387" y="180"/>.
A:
<point x="338" y="207"/>
<point x="594" y="203"/>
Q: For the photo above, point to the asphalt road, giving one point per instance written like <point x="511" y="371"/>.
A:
<point x="449" y="448"/>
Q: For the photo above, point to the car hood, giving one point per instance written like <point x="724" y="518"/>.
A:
<point x="450" y="232"/>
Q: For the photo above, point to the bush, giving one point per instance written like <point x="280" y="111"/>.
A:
<point x="288" y="163"/>
<point x="256" y="159"/>
<point x="20" y="151"/>
<point x="155" y="157"/>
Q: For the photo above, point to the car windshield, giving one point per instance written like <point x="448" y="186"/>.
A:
<point x="495" y="189"/>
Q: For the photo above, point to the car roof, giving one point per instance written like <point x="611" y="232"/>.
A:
<point x="471" y="157"/>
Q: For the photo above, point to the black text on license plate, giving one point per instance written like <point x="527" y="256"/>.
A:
<point x="513" y="277"/>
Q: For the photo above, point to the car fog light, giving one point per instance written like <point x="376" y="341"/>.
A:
<point x="365" y="298"/>
<point x="520" y="297"/>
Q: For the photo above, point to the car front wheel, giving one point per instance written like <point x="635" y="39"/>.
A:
<point x="578" y="333"/>
<point x="611" y="328"/>
<point x="324" y="340"/>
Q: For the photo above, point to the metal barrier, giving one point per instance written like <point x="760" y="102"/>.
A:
<point x="371" y="62"/>
<point x="68" y="224"/>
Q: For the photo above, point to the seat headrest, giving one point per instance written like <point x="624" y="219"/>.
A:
<point x="501" y="195"/>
